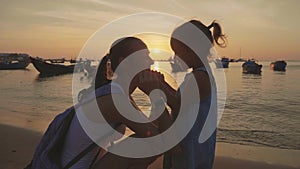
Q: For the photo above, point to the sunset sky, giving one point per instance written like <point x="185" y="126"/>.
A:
<point x="262" y="29"/>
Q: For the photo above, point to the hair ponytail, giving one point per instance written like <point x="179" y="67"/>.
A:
<point x="98" y="81"/>
<point x="217" y="34"/>
<point x="100" y="78"/>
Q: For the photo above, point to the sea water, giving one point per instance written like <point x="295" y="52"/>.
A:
<point x="260" y="110"/>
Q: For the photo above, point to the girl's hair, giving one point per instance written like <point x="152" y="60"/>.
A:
<point x="185" y="33"/>
<point x="217" y="32"/>
<point x="185" y="30"/>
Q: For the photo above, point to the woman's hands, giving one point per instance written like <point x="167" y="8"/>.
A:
<point x="149" y="80"/>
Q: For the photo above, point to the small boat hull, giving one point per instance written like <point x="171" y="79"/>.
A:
<point x="278" y="66"/>
<point x="225" y="62"/>
<point x="47" y="69"/>
<point x="222" y="63"/>
<point x="10" y="61"/>
<point x="13" y="66"/>
<point x="251" y="67"/>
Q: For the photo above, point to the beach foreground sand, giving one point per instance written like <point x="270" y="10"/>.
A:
<point x="17" y="147"/>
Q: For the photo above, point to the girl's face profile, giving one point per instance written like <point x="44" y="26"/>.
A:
<point x="181" y="51"/>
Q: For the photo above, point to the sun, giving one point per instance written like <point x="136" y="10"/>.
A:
<point x="158" y="45"/>
<point x="155" y="50"/>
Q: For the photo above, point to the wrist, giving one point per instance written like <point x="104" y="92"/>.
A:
<point x="159" y="103"/>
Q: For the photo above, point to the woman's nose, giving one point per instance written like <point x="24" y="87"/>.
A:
<point x="150" y="61"/>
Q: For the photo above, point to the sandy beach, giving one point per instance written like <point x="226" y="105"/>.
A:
<point x="18" y="144"/>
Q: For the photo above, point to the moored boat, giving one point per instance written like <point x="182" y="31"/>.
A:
<point x="251" y="67"/>
<point x="57" y="60"/>
<point x="279" y="65"/>
<point x="48" y="69"/>
<point x="89" y="69"/>
<point x="225" y="62"/>
<point x="10" y="61"/>
<point x="222" y="63"/>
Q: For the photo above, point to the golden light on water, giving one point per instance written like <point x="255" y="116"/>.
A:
<point x="155" y="66"/>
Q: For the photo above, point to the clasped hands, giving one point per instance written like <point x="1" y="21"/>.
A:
<point x="150" y="80"/>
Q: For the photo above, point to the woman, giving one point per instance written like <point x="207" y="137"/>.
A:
<point x="191" y="43"/>
<point x="111" y="84"/>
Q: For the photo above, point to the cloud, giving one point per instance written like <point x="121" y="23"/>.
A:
<point x="241" y="20"/>
<point x="118" y="6"/>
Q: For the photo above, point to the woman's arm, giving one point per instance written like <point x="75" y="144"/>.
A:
<point x="150" y="80"/>
<point x="112" y="115"/>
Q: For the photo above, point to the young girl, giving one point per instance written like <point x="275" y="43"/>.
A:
<point x="192" y="42"/>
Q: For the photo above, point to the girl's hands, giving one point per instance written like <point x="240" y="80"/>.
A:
<point x="149" y="80"/>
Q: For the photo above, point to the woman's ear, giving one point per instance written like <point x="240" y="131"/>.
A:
<point x="109" y="73"/>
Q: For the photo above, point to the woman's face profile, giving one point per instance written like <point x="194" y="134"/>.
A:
<point x="136" y="62"/>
